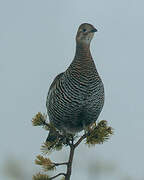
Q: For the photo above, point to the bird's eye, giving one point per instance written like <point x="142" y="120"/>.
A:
<point x="84" y="30"/>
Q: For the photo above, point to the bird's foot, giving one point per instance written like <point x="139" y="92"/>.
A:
<point x="67" y="139"/>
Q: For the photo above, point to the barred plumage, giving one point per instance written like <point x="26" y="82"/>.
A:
<point x="76" y="96"/>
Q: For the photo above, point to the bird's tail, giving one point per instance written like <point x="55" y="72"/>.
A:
<point x="52" y="136"/>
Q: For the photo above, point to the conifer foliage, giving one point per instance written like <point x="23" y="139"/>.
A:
<point x="96" y="134"/>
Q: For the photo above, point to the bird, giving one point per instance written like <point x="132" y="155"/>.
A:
<point x="76" y="96"/>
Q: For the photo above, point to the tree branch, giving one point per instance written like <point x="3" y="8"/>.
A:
<point x="59" y="164"/>
<point x="80" y="139"/>
<point x="60" y="174"/>
<point x="69" y="165"/>
<point x="97" y="134"/>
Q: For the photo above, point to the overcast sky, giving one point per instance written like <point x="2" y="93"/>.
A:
<point x="37" y="41"/>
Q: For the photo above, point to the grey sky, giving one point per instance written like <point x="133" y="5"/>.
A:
<point x="37" y="41"/>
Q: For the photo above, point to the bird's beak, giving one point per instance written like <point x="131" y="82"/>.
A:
<point x="94" y="30"/>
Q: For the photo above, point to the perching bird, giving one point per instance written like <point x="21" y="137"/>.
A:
<point x="76" y="96"/>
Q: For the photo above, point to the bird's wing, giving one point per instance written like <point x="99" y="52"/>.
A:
<point x="56" y="79"/>
<point x="53" y="85"/>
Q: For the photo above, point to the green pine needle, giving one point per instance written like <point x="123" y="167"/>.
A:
<point x="40" y="176"/>
<point x="48" y="147"/>
<point x="99" y="133"/>
<point x="46" y="163"/>
<point x="39" y="119"/>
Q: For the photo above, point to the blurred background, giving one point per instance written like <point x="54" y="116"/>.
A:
<point x="37" y="41"/>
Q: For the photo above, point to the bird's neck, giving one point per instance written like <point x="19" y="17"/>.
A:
<point x="83" y="52"/>
<point x="82" y="64"/>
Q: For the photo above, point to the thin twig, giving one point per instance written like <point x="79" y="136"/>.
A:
<point x="60" y="174"/>
<point x="59" y="164"/>
<point x="80" y="139"/>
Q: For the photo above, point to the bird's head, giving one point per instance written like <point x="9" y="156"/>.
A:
<point x="85" y="33"/>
